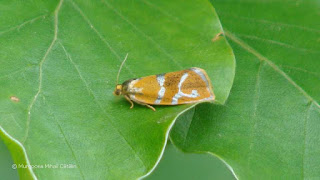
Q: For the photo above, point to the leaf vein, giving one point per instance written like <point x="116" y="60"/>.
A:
<point x="66" y="140"/>
<point x="255" y="108"/>
<point x="306" y="119"/>
<point x="189" y="125"/>
<point x="142" y="33"/>
<point x="56" y="12"/>
<point x="77" y="69"/>
<point x="15" y="72"/>
<point x="173" y="18"/>
<point x="15" y="121"/>
<point x="23" y="24"/>
<point x="277" y="43"/>
<point x="271" y="64"/>
<point x="263" y="21"/>
<point x="301" y="69"/>
<point x="77" y="8"/>
<point x="90" y="91"/>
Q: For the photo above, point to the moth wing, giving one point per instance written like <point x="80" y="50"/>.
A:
<point x="187" y="86"/>
<point x="144" y="90"/>
<point x="181" y="87"/>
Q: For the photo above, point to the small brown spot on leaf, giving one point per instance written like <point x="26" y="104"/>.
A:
<point x="217" y="37"/>
<point x="14" y="99"/>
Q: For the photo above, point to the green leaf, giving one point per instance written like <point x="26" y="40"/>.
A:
<point x="59" y="62"/>
<point x="270" y="126"/>
<point x="7" y="170"/>
<point x="189" y="166"/>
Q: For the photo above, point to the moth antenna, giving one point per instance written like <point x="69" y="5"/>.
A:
<point x="121" y="68"/>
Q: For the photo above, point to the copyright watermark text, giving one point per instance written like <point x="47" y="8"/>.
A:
<point x="44" y="166"/>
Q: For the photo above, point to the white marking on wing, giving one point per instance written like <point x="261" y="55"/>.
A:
<point x="203" y="77"/>
<point x="160" y="79"/>
<point x="200" y="73"/>
<point x="133" y="89"/>
<point x="180" y="94"/>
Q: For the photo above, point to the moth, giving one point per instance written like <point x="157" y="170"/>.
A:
<point x="174" y="88"/>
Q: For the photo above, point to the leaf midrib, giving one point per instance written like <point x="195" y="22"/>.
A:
<point x="55" y="36"/>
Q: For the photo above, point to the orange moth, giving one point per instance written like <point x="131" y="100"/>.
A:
<point x="181" y="87"/>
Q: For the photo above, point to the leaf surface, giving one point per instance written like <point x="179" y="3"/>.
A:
<point x="59" y="61"/>
<point x="270" y="126"/>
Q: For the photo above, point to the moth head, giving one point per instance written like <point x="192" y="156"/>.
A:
<point x="118" y="90"/>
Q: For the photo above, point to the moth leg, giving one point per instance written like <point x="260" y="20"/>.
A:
<point x="128" y="99"/>
<point x="149" y="106"/>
